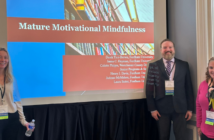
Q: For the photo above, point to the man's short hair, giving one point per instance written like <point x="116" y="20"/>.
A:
<point x="165" y="41"/>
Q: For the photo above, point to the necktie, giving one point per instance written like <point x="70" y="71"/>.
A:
<point x="168" y="67"/>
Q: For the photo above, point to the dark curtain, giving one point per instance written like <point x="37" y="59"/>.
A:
<point x="106" y="120"/>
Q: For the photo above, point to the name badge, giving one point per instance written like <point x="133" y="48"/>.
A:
<point x="209" y="118"/>
<point x="3" y="112"/>
<point x="169" y="87"/>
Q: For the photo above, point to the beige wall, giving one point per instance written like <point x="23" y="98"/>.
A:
<point x="3" y="24"/>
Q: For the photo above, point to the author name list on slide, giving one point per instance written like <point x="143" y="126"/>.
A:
<point x="132" y="69"/>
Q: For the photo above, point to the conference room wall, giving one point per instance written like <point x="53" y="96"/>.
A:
<point x="3" y="24"/>
<point x="182" y="31"/>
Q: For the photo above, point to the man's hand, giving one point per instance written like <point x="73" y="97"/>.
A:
<point x="188" y="115"/>
<point x="155" y="115"/>
<point x="199" y="131"/>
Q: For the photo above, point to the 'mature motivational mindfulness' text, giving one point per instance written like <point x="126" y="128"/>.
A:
<point x="81" y="28"/>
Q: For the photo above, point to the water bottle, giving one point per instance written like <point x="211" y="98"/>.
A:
<point x="28" y="133"/>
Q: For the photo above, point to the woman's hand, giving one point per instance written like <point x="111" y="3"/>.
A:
<point x="27" y="126"/>
<point x="210" y="89"/>
<point x="199" y="131"/>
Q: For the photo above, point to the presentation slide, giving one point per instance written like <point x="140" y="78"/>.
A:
<point x="65" y="47"/>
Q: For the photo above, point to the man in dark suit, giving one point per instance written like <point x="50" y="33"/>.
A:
<point x="169" y="92"/>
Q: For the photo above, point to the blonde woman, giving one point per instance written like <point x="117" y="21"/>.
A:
<point x="204" y="110"/>
<point x="11" y="112"/>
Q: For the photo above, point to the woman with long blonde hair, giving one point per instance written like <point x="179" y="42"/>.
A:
<point x="11" y="111"/>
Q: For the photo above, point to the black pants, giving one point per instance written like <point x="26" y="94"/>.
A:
<point x="179" y="126"/>
<point x="9" y="127"/>
<point x="203" y="137"/>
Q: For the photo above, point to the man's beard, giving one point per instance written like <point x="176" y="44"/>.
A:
<point x="168" y="56"/>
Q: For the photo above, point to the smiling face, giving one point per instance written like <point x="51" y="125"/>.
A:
<point x="4" y="59"/>
<point x="167" y="50"/>
<point x="211" y="69"/>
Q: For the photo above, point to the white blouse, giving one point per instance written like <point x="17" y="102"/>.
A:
<point x="12" y="106"/>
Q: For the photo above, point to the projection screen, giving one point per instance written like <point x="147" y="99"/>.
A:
<point x="65" y="51"/>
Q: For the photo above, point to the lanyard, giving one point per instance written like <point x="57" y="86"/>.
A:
<point x="168" y="73"/>
<point x="208" y="95"/>
<point x="3" y="93"/>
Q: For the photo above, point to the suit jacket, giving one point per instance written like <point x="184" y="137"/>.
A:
<point x="183" y="98"/>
